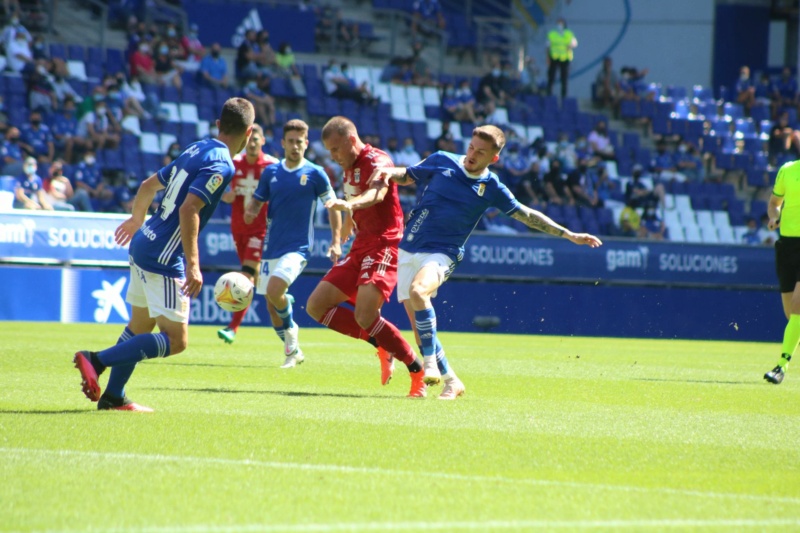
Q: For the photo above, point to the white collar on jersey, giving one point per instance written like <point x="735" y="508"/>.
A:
<point x="473" y="176"/>
<point x="287" y="169"/>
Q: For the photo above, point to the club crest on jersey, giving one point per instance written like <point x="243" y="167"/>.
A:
<point x="213" y="184"/>
<point x="303" y="179"/>
<point x="357" y="175"/>
<point x="481" y="189"/>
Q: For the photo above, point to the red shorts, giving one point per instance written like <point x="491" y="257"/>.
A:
<point x="377" y="266"/>
<point x="248" y="246"/>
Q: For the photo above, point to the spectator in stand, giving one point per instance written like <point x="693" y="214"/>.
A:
<point x="632" y="84"/>
<point x="36" y="139"/>
<point x="63" y="90"/>
<point x="663" y="164"/>
<point x="786" y="90"/>
<point x="19" y="55"/>
<point x="265" y="55"/>
<point x="246" y="64"/>
<point x="29" y="192"/>
<point x="491" y="87"/>
<point x="651" y="226"/>
<point x="287" y="67"/>
<point x="630" y="221"/>
<point x="529" y="82"/>
<point x="348" y="32"/>
<point x="392" y="148"/>
<point x="88" y="104"/>
<point x="12" y="153"/>
<point x="339" y="85"/>
<point x="784" y="141"/>
<point x="142" y="65"/>
<point x="408" y="156"/>
<point x="745" y="89"/>
<point x="263" y="103"/>
<point x="752" y="236"/>
<point x="12" y="29"/>
<point x="446" y="142"/>
<point x="165" y="69"/>
<point x="765" y="93"/>
<point x="214" y="69"/>
<point x="421" y="71"/>
<point x="41" y="95"/>
<point x="560" y="45"/>
<point x="581" y="187"/>
<point x="689" y="163"/>
<point x="566" y="153"/>
<point x="88" y="177"/>
<point x="599" y="142"/>
<point x="604" y="186"/>
<point x="427" y="18"/>
<point x="272" y="146"/>
<point x="65" y="131"/>
<point x="609" y="91"/>
<point x="193" y="50"/>
<point x="100" y="127"/>
<point x="132" y="96"/>
<point x="458" y="108"/>
<point x="172" y="154"/>
<point x="59" y="190"/>
<point x="555" y="185"/>
<point x="521" y="177"/>
<point x="639" y="194"/>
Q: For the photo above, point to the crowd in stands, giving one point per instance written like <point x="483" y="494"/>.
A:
<point x="70" y="142"/>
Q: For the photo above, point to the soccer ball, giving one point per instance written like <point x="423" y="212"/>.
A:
<point x="233" y="291"/>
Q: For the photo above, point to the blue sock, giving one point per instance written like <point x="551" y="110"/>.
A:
<point x="441" y="360"/>
<point x="426" y="328"/>
<point x="120" y="375"/>
<point x="135" y="349"/>
<point x="286" y="314"/>
<point x="279" y="331"/>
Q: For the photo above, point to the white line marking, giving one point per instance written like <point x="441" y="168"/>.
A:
<point x="391" y="472"/>
<point x="460" y="526"/>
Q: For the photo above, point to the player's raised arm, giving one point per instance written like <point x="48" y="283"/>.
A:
<point x="383" y="175"/>
<point x="144" y="197"/>
<point x="539" y="221"/>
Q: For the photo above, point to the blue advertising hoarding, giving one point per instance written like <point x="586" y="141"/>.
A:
<point x="49" y="237"/>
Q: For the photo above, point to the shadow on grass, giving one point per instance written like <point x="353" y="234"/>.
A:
<point x="706" y="381"/>
<point x="46" y="411"/>
<point x="217" y="365"/>
<point x="300" y="394"/>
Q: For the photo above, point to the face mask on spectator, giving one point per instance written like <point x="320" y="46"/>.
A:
<point x="743" y="77"/>
<point x="99" y="97"/>
<point x="288" y="49"/>
<point x="268" y="138"/>
<point x="174" y="153"/>
<point x="100" y="110"/>
<point x="682" y="148"/>
<point x="15" y="21"/>
<point x="171" y="33"/>
<point x="89" y="160"/>
<point x="495" y="72"/>
<point x="560" y="26"/>
<point x="144" y="48"/>
<point x="408" y="148"/>
<point x="36" y="122"/>
<point x="214" y="53"/>
<point x="581" y="144"/>
<point x="30" y="169"/>
<point x="164" y="50"/>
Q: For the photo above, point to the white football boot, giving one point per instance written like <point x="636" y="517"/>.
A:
<point x="432" y="374"/>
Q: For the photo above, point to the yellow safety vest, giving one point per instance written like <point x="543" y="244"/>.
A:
<point x="787" y="186"/>
<point x="560" y="48"/>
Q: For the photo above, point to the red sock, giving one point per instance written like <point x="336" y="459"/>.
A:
<point x="236" y="319"/>
<point x="343" y="320"/>
<point x="390" y="339"/>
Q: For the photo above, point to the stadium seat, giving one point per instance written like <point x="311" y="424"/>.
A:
<point x="77" y="70"/>
<point x="188" y="113"/>
<point x="726" y="235"/>
<point x="165" y="139"/>
<point x="149" y="143"/>
<point x="169" y="111"/>
<point x="721" y="219"/>
<point x="692" y="234"/>
<point x="430" y="97"/>
<point x="704" y="218"/>
<point x="8" y="183"/>
<point x="202" y="128"/>
<point x="709" y="234"/>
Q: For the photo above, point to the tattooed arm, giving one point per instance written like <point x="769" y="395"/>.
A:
<point x="539" y="221"/>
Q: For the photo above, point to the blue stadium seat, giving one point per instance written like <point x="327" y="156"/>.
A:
<point x="76" y="52"/>
<point x="58" y="50"/>
<point x="758" y="208"/>
<point x="115" y="60"/>
<point x="8" y="183"/>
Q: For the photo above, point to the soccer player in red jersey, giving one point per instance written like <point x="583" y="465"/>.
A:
<point x="366" y="276"/>
<point x="249" y="238"/>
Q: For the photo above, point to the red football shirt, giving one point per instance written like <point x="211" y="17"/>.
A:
<point x="381" y="224"/>
<point x="244" y="183"/>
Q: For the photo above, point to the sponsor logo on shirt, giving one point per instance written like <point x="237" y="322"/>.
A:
<point x="214" y="183"/>
<point x="357" y="175"/>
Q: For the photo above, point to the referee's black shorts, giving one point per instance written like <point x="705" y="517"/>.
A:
<point x="787" y="262"/>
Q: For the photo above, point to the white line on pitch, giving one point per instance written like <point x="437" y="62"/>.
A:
<point x="383" y="471"/>
<point x="462" y="525"/>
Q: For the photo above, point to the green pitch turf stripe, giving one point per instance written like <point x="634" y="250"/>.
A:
<point x="115" y="456"/>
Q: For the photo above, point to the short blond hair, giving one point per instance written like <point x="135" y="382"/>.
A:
<point x="491" y="134"/>
<point x="341" y="126"/>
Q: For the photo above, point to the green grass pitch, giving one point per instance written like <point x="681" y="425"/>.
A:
<point x="554" y="433"/>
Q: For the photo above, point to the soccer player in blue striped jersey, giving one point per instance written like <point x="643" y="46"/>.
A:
<point x="164" y="256"/>
<point x="293" y="187"/>
<point x="459" y="190"/>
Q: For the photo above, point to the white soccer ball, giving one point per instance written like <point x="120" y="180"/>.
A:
<point x="233" y="291"/>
